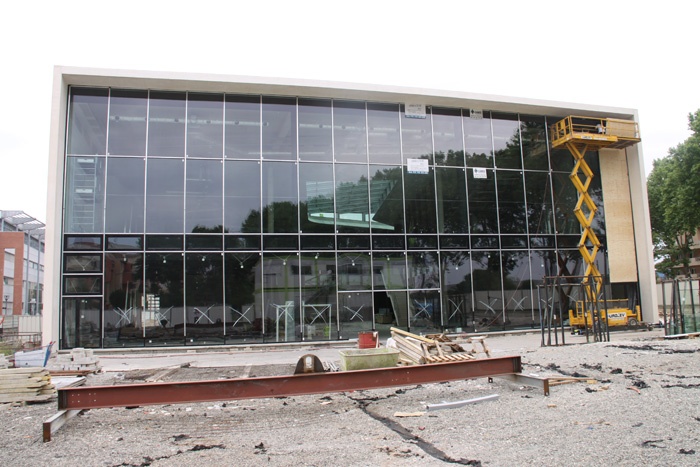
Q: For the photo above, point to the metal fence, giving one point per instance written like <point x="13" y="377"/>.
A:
<point x="680" y="309"/>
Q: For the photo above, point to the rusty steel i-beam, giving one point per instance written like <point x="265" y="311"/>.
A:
<point x="132" y="395"/>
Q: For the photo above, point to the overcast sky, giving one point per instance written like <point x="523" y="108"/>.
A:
<point x="631" y="54"/>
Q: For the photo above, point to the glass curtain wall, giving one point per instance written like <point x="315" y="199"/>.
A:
<point x="201" y="218"/>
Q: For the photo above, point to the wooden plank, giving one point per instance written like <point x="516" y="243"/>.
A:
<point x="25" y="398"/>
<point x="415" y="336"/>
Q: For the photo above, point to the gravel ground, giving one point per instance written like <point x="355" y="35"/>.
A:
<point x="643" y="409"/>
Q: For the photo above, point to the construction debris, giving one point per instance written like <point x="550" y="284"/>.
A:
<point x="457" y="404"/>
<point x="79" y="359"/>
<point x="434" y="348"/>
<point x="26" y="385"/>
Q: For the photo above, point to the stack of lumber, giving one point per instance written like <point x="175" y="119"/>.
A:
<point x="419" y="350"/>
<point x="475" y="341"/>
<point x="30" y="384"/>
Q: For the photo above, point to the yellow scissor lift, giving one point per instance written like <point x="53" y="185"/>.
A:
<point x="578" y="135"/>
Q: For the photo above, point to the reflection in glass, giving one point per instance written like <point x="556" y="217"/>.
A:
<point x="511" y="201"/>
<point x="166" y="124"/>
<point x="125" y="195"/>
<point x="242" y="127"/>
<point x="506" y="141"/>
<point x="165" y="203"/>
<point x="204" y="208"/>
<point x="539" y="203"/>
<point x="84" y="204"/>
<point x="386" y="199"/>
<point x="205" y="126"/>
<point x="82" y="285"/>
<point x="351" y="198"/>
<point x="451" y="200"/>
<point x="80" y="323"/>
<point x="419" y="198"/>
<point x="279" y="131"/>
<point x="316" y="198"/>
<point x="242" y="196"/>
<point x="125" y="325"/>
<point x="350" y="131"/>
<point x="483" y="218"/>
<point x="416" y="136"/>
<point x="243" y="291"/>
<point x="128" y="110"/>
<point x="279" y="181"/>
<point x="478" y="144"/>
<point x="82" y="242"/>
<point x="447" y="136"/>
<point x="562" y="160"/>
<point x="315" y="135"/>
<point x="383" y="133"/>
<point x="281" y="294"/>
<point x="534" y="141"/>
<point x="164" y="298"/>
<point x="87" y="121"/>
<point x="204" y="298"/>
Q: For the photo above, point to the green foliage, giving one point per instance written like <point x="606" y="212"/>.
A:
<point x="674" y="196"/>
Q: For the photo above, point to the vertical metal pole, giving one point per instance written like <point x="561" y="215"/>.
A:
<point x="692" y="305"/>
<point x="663" y="299"/>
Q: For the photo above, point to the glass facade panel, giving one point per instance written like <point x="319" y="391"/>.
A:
<point x="316" y="203"/>
<point x="478" y="142"/>
<point x="125" y="323"/>
<point x="315" y="130"/>
<point x="125" y="195"/>
<point x="81" y="325"/>
<point x="483" y="218"/>
<point x="351" y="198"/>
<point x="243" y="289"/>
<point x="356" y="313"/>
<point x="416" y="137"/>
<point x="533" y="132"/>
<point x="457" y="290"/>
<point x="282" y="302"/>
<point x="319" y="310"/>
<point x="165" y="196"/>
<point x="128" y="112"/>
<point x="166" y="124"/>
<point x="565" y="198"/>
<point x="84" y="195"/>
<point x="384" y="135"/>
<point x="280" y="197"/>
<point x="350" y="131"/>
<point x="164" y="281"/>
<point x="511" y="202"/>
<point x="242" y="127"/>
<point x="82" y="263"/>
<point x="451" y="185"/>
<point x="205" y="125"/>
<point x="448" y="137"/>
<point x="488" y="297"/>
<point x="354" y="271"/>
<point x="419" y="198"/>
<point x="518" y="309"/>
<point x="242" y="196"/>
<point x="87" y="121"/>
<point x="204" y="298"/>
<point x="204" y="201"/>
<point x="538" y="188"/>
<point x="506" y="141"/>
<point x="386" y="199"/>
<point x="389" y="271"/>
<point x="279" y="128"/>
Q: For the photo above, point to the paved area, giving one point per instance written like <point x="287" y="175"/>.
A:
<point x="138" y="359"/>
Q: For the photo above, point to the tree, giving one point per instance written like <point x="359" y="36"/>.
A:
<point x="674" y="195"/>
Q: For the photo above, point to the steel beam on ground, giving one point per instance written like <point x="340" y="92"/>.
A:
<point x="132" y="395"/>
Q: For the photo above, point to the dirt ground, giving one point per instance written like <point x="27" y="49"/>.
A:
<point x="637" y="405"/>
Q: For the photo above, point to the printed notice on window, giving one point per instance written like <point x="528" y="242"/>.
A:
<point x="415" y="110"/>
<point x="476" y="114"/>
<point x="417" y="166"/>
<point x="479" y="172"/>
